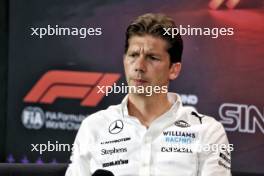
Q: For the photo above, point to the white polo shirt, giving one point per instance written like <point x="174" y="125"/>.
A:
<point x="180" y="142"/>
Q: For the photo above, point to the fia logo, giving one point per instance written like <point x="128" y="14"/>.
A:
<point x="33" y="117"/>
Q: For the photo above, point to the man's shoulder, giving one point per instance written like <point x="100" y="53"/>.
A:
<point x="194" y="117"/>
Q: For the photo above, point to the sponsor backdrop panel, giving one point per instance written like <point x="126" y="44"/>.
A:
<point x="53" y="78"/>
<point x="3" y="76"/>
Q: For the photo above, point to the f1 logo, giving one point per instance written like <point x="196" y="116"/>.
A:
<point x="70" y="84"/>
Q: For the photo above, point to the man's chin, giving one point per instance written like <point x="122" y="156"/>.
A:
<point x="141" y="94"/>
<point x="140" y="90"/>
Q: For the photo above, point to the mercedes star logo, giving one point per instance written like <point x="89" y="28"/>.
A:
<point x="116" y="127"/>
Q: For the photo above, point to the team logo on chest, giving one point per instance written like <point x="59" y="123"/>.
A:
<point x="116" y="127"/>
<point x="179" y="137"/>
<point x="182" y="124"/>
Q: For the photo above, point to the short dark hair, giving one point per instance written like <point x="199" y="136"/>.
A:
<point x="153" y="24"/>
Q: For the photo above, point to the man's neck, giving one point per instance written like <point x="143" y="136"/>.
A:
<point x="147" y="108"/>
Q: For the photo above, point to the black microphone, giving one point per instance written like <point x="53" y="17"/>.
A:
<point x="101" y="172"/>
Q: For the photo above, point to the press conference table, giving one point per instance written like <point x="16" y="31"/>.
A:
<point x="51" y="169"/>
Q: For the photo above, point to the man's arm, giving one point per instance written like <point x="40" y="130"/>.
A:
<point x="217" y="161"/>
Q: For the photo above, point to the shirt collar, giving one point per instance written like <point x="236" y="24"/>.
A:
<point x="162" y="122"/>
<point x="173" y="98"/>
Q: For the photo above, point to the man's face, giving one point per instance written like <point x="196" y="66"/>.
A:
<point x="147" y="62"/>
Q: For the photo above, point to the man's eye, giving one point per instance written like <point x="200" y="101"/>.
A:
<point x="154" y="58"/>
<point x="133" y="55"/>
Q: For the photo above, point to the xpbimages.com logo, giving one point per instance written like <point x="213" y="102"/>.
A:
<point x="198" y="31"/>
<point x="57" y="30"/>
<point x="51" y="147"/>
<point x="125" y="89"/>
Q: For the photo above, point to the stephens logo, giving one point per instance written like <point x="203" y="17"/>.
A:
<point x="116" y="127"/>
<point x="113" y="151"/>
<point x="70" y="84"/>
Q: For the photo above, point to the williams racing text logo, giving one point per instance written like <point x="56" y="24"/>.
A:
<point x="179" y="137"/>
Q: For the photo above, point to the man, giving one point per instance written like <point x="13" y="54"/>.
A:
<point x="150" y="135"/>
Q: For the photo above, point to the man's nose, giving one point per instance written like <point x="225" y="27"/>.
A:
<point x="140" y="65"/>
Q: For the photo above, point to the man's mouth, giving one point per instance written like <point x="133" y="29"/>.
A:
<point x="139" y="81"/>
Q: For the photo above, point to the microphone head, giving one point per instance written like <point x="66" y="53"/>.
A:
<point x="101" y="172"/>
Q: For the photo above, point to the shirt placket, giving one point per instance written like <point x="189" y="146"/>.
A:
<point x="146" y="156"/>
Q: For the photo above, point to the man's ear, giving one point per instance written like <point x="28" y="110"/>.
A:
<point x="174" y="70"/>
